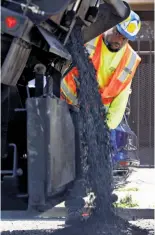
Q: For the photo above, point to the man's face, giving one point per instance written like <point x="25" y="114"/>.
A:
<point x="114" y="40"/>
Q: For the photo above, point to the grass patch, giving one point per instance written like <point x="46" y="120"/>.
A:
<point x="127" y="190"/>
<point x="126" y="202"/>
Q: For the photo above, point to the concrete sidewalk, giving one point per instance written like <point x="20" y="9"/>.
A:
<point x="141" y="186"/>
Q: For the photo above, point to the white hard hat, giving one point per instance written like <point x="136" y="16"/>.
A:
<point x="130" y="27"/>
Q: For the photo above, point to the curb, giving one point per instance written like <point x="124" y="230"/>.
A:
<point x="135" y="214"/>
<point x="60" y="213"/>
<point x="146" y="166"/>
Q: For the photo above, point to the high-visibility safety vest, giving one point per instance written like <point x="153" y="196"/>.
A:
<point x="118" y="81"/>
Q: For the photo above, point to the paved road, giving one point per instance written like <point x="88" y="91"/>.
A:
<point x="143" y="179"/>
<point x="47" y="227"/>
<point x="56" y="224"/>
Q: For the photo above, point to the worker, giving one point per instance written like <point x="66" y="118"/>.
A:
<point x="115" y="63"/>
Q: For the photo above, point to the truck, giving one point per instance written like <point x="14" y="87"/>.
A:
<point x="39" y="151"/>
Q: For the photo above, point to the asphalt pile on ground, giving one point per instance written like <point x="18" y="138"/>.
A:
<point x="91" y="227"/>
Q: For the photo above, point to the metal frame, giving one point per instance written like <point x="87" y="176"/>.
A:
<point x="13" y="172"/>
<point x="141" y="120"/>
<point x="15" y="61"/>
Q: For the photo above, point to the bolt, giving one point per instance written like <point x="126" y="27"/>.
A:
<point x="25" y="156"/>
<point x="19" y="172"/>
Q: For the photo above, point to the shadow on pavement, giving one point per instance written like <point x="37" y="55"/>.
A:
<point x="94" y="226"/>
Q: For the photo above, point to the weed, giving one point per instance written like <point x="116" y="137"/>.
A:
<point x="126" y="202"/>
<point x="127" y="190"/>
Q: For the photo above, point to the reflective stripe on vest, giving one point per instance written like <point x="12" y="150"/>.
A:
<point x="117" y="82"/>
<point x="72" y="99"/>
<point x="91" y="46"/>
<point x="128" y="69"/>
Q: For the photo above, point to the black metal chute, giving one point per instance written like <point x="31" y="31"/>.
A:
<point x="107" y="18"/>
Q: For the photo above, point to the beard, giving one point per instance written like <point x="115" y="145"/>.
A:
<point x="110" y="46"/>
